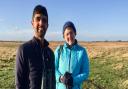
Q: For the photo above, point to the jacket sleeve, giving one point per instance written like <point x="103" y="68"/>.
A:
<point x="84" y="70"/>
<point x="57" y="73"/>
<point x="22" y="73"/>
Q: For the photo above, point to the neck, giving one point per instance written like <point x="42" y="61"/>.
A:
<point x="72" y="43"/>
<point x="41" y="40"/>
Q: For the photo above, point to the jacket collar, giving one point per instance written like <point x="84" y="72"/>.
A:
<point x="70" y="46"/>
<point x="37" y="42"/>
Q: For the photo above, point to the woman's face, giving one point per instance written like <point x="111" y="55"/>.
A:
<point x="69" y="35"/>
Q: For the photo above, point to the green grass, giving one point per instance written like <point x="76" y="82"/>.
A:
<point x="104" y="76"/>
<point x="108" y="68"/>
<point x="7" y="74"/>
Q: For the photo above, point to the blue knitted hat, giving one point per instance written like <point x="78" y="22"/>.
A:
<point x="69" y="24"/>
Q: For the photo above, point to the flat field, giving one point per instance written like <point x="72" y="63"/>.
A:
<point x="108" y="64"/>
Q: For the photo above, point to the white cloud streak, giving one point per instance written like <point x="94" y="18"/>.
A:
<point x="27" y="34"/>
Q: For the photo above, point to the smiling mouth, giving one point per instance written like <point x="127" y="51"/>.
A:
<point x="41" y="29"/>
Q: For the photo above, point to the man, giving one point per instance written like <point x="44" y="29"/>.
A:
<point x="35" y="67"/>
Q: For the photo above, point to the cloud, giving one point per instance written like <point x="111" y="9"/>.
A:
<point x="17" y="34"/>
<point x="2" y="20"/>
<point x="54" y="36"/>
<point x="27" y="34"/>
<point x="22" y="35"/>
<point x="88" y="36"/>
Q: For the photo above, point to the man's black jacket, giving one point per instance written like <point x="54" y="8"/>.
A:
<point x="35" y="66"/>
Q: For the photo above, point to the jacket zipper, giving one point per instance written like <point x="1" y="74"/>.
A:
<point x="69" y="60"/>
<point x="43" y="72"/>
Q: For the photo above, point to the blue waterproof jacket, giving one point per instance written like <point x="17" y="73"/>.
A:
<point x="74" y="60"/>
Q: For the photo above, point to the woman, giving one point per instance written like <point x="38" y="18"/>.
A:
<point x="71" y="61"/>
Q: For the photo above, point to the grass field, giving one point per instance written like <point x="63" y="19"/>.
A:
<point x="108" y="64"/>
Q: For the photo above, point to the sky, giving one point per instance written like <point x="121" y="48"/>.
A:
<point x="95" y="20"/>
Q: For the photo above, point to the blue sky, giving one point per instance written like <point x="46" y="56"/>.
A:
<point x="95" y="20"/>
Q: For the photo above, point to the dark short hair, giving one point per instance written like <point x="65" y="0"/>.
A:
<point x="39" y="9"/>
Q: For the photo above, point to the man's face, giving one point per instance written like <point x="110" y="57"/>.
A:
<point x="40" y="25"/>
<point x="69" y="35"/>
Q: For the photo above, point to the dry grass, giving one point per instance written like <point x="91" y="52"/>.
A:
<point x="95" y="49"/>
<point x="8" y="49"/>
<point x="103" y="55"/>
